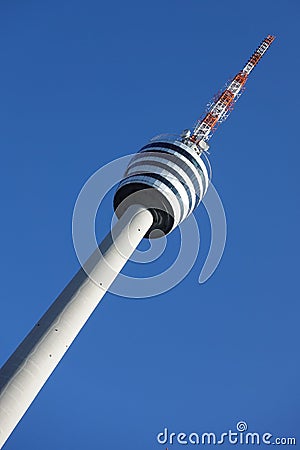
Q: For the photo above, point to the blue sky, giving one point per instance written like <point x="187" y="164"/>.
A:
<point x="85" y="82"/>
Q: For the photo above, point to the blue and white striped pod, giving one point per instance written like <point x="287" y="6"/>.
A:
<point x="168" y="177"/>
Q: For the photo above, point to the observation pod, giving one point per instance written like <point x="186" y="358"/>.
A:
<point x="167" y="177"/>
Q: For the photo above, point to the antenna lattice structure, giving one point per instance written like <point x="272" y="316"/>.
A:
<point x="220" y="109"/>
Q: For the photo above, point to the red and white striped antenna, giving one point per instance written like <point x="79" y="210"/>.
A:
<point x="223" y="104"/>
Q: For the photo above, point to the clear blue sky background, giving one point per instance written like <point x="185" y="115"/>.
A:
<point x="84" y="82"/>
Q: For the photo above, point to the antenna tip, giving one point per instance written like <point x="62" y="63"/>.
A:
<point x="270" y="38"/>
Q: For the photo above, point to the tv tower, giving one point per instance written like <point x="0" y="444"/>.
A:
<point x="164" y="182"/>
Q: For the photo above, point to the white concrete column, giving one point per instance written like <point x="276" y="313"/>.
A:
<point x="29" y="367"/>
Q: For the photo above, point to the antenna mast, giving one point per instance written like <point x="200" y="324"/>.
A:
<point x="221" y="107"/>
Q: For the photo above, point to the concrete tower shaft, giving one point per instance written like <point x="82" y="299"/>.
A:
<point x="29" y="367"/>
